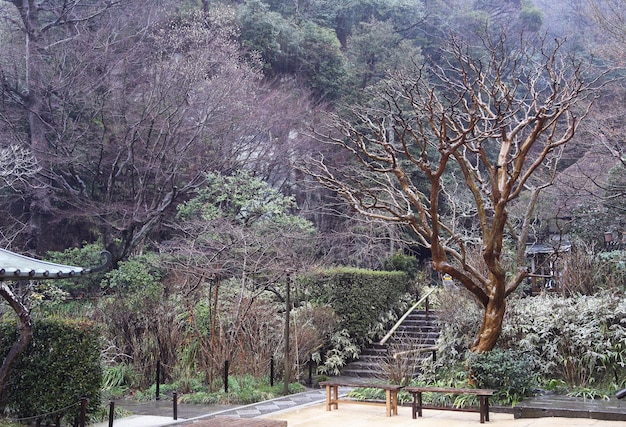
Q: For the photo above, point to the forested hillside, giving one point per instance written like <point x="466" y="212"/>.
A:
<point x="220" y="150"/>
<point x="126" y="107"/>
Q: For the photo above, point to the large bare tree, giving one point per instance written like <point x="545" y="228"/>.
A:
<point x="126" y="105"/>
<point x="446" y="149"/>
<point x="34" y="32"/>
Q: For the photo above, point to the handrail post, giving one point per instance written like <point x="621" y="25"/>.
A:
<point x="310" y="370"/>
<point x="226" y="376"/>
<point x="272" y="371"/>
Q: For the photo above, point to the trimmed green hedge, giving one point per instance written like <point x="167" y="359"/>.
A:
<point x="61" y="365"/>
<point x="361" y="298"/>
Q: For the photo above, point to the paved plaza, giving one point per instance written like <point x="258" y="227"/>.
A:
<point x="371" y="416"/>
<point x="309" y="410"/>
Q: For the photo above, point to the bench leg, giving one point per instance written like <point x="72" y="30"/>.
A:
<point x="394" y="395"/>
<point x="388" y="402"/>
<point x="417" y="404"/>
<point x="332" y="397"/>
<point x="484" y="409"/>
<point x="328" y="398"/>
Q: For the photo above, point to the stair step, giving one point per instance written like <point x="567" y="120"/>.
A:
<point x="419" y="328"/>
<point x="361" y="373"/>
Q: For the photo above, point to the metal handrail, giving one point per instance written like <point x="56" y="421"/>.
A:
<point x="424" y="349"/>
<point x="405" y="315"/>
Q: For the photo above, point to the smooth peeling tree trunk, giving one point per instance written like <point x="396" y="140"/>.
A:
<point x="491" y="326"/>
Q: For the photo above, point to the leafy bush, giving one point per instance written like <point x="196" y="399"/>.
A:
<point x="242" y="390"/>
<point x="581" y="339"/>
<point x="360" y="297"/>
<point x="139" y="314"/>
<point x="342" y="349"/>
<point x="509" y="372"/>
<point x="60" y="366"/>
<point x="611" y="269"/>
<point x="401" y="262"/>
<point x="87" y="256"/>
<point x="573" y="343"/>
<point x="117" y="380"/>
<point x="138" y="274"/>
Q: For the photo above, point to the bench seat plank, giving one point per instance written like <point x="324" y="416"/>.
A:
<point x="451" y="390"/>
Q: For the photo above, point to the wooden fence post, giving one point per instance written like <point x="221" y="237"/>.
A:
<point x="226" y="376"/>
<point x="83" y="411"/>
<point x="175" y="403"/>
<point x="111" y="413"/>
<point x="158" y="379"/>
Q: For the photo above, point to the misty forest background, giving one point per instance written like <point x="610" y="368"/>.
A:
<point x="173" y="134"/>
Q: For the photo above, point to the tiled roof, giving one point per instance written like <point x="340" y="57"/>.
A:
<point x="15" y="266"/>
<point x="540" y="248"/>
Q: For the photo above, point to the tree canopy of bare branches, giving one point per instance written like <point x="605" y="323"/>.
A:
<point x="446" y="149"/>
<point x="125" y="106"/>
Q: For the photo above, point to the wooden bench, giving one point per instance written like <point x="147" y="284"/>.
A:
<point x="332" y="395"/>
<point x="483" y="396"/>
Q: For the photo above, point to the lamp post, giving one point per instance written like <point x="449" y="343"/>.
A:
<point x="286" y="334"/>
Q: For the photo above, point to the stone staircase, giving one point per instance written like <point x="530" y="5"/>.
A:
<point x="414" y="340"/>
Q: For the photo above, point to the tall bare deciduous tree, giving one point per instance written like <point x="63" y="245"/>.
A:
<point x="445" y="150"/>
<point x="126" y="105"/>
<point x="35" y="32"/>
<point x="610" y="16"/>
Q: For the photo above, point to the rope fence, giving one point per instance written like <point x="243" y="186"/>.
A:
<point x="57" y="415"/>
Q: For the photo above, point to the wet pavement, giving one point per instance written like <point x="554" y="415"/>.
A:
<point x="308" y="409"/>
<point x="161" y="412"/>
<point x="165" y="408"/>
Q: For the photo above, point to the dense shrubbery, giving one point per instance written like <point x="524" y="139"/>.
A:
<point x="139" y="316"/>
<point x="364" y="302"/>
<point x="242" y="390"/>
<point x="87" y="256"/>
<point x="361" y="298"/>
<point x="578" y="342"/>
<point x="68" y="352"/>
<point x="510" y="372"/>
